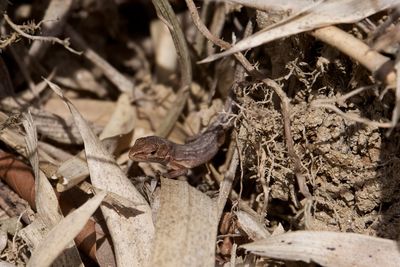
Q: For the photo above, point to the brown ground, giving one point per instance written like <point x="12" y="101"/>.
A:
<point x="350" y="166"/>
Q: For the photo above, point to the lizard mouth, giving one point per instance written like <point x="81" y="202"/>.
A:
<point x="137" y="157"/>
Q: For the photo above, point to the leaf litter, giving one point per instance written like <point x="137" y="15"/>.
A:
<point x="311" y="156"/>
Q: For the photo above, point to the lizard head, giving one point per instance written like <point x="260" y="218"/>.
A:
<point x="152" y="149"/>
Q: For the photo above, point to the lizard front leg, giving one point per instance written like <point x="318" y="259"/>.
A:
<point x="175" y="173"/>
<point x="177" y="170"/>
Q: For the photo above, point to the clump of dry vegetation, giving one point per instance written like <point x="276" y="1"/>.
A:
<point x="306" y="92"/>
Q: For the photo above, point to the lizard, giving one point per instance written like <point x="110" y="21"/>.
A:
<point x="179" y="158"/>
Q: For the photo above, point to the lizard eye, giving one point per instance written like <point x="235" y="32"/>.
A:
<point x="153" y="152"/>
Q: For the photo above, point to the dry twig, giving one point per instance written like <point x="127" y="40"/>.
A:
<point x="353" y="47"/>
<point x="119" y="80"/>
<point x="51" y="39"/>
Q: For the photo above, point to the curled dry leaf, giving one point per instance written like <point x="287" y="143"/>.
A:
<point x="46" y="201"/>
<point x="132" y="233"/>
<point x="165" y="55"/>
<point x="122" y="120"/>
<point x="48" y="210"/>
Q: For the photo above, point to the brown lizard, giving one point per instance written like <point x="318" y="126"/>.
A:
<point x="179" y="158"/>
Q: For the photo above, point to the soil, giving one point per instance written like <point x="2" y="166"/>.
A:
<point x="350" y="167"/>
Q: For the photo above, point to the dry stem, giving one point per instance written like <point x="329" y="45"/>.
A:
<point x="167" y="15"/>
<point x="353" y="47"/>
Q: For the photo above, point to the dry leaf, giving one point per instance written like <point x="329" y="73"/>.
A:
<point x="329" y="249"/>
<point x="64" y="232"/>
<point x="122" y="121"/>
<point x="95" y="111"/>
<point x="186" y="228"/>
<point x="3" y="240"/>
<point x="6" y="264"/>
<point x="319" y="14"/>
<point x="253" y="228"/>
<point x="276" y="5"/>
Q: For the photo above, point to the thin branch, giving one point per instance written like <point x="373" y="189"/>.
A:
<point x="113" y="75"/>
<point x="327" y="103"/>
<point x="352" y="117"/>
<point x="261" y="161"/>
<point x="51" y="39"/>
<point x="344" y="97"/>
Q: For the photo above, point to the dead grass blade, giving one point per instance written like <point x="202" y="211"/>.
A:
<point x="329" y="249"/>
<point x="186" y="227"/>
<point x="64" y="232"/>
<point x="276" y="5"/>
<point x="46" y="201"/>
<point x="131" y="232"/>
<point x="227" y="183"/>
<point x="319" y="15"/>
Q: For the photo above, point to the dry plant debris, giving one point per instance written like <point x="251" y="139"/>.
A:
<point x="306" y="93"/>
